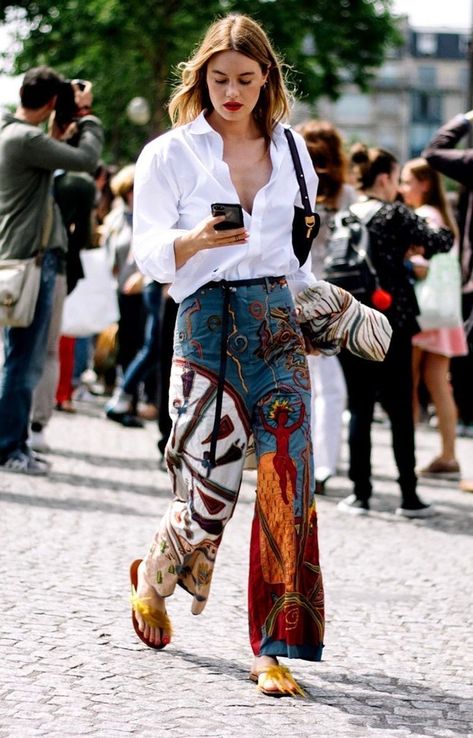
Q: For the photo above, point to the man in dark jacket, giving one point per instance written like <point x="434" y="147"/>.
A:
<point x="458" y="165"/>
<point x="27" y="159"/>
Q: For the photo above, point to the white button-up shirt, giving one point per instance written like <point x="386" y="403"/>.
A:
<point x="179" y="175"/>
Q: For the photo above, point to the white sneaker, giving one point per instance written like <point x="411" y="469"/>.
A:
<point x="354" y="506"/>
<point x="82" y="394"/>
<point x="120" y="403"/>
<point x="422" y="511"/>
<point x="38" y="442"/>
<point x="23" y="463"/>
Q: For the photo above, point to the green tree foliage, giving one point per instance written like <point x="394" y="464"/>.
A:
<point x="131" y="48"/>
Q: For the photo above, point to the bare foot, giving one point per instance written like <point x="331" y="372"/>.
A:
<point x="261" y="663"/>
<point x="150" y="597"/>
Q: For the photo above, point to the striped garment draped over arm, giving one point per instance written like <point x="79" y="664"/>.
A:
<point x="332" y="319"/>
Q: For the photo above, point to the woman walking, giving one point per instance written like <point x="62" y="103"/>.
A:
<point x="395" y="231"/>
<point x="239" y="365"/>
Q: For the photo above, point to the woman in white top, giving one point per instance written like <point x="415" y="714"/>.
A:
<point x="239" y="365"/>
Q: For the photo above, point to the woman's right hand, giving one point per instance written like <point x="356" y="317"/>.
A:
<point x="204" y="236"/>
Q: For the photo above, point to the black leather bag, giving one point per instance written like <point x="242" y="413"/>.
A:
<point x="306" y="223"/>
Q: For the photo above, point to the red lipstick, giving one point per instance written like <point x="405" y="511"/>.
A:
<point x="232" y="106"/>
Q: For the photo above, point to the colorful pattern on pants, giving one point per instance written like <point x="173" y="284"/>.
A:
<point x="267" y="394"/>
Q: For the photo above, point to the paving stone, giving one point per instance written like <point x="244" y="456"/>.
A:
<point x="399" y="606"/>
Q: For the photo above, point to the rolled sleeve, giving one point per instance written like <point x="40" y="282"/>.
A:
<point x="303" y="278"/>
<point x="155" y="217"/>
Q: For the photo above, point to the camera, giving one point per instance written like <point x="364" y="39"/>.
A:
<point x="66" y="108"/>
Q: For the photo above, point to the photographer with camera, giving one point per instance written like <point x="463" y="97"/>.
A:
<point x="30" y="223"/>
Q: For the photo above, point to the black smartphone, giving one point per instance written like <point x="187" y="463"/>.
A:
<point x="233" y="215"/>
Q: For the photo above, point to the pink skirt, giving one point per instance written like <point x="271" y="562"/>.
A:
<point x="444" y="341"/>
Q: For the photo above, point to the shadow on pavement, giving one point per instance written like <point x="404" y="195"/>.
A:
<point x="70" y="504"/>
<point x="114" y="461"/>
<point x="372" y="697"/>
<point x="387" y="696"/>
<point x="113" y="485"/>
<point x="452" y="517"/>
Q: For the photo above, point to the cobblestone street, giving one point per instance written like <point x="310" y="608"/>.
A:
<point x="399" y="641"/>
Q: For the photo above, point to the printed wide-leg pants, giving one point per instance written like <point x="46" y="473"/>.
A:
<point x="266" y="393"/>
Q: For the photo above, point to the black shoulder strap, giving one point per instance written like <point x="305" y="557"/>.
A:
<point x="306" y="204"/>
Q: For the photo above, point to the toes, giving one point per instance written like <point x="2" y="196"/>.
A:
<point x="140" y="621"/>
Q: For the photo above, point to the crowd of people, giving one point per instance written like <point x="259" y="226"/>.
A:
<point x="207" y="342"/>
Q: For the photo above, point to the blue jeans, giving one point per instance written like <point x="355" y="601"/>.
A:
<point x="25" y="354"/>
<point x="147" y="357"/>
<point x="82" y="354"/>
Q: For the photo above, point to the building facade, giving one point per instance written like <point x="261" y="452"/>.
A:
<point x="420" y="86"/>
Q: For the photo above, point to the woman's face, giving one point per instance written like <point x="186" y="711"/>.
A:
<point x="412" y="189"/>
<point x="234" y="82"/>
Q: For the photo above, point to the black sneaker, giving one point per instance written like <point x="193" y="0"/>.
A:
<point x="354" y="506"/>
<point x="126" y="419"/>
<point x="416" y="510"/>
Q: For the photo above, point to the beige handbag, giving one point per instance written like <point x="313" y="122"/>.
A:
<point x="20" y="281"/>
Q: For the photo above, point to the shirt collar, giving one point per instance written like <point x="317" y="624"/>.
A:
<point x="200" y="126"/>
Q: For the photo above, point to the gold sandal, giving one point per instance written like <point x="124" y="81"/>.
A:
<point x="152" y="618"/>
<point x="285" y="684"/>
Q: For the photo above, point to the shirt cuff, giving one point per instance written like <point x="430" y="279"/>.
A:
<point x="300" y="280"/>
<point x="157" y="260"/>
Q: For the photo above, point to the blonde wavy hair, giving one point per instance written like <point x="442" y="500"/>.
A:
<point x="123" y="180"/>
<point x="239" y="33"/>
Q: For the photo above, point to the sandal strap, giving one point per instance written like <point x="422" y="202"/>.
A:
<point x="152" y="618"/>
<point x="282" y="677"/>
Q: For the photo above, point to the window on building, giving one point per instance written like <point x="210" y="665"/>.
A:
<point x="388" y="104"/>
<point x="426" y="107"/>
<point x="427" y="44"/>
<point x="463" y="45"/>
<point x="353" y="107"/>
<point x="388" y="72"/>
<point x="463" y="77"/>
<point x="427" y="76"/>
<point x="419" y="137"/>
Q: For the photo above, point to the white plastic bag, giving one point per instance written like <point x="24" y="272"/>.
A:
<point x="439" y="294"/>
<point x="93" y="304"/>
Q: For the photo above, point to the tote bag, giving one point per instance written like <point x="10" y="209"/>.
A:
<point x="439" y="294"/>
<point x="20" y="281"/>
<point x="19" y="288"/>
<point x="93" y="304"/>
